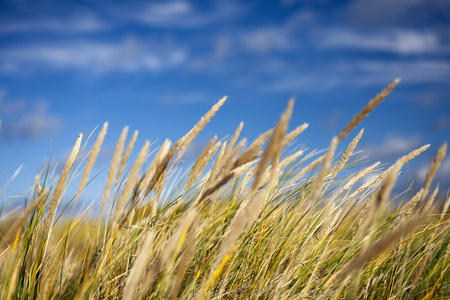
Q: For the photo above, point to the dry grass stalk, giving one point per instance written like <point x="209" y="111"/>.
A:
<point x="174" y="243"/>
<point x="322" y="257"/>
<point x="440" y="155"/>
<point x="162" y="165"/>
<point x="204" y="153"/>
<point x="246" y="215"/>
<point x="233" y="141"/>
<point x="367" y="109"/>
<point x="12" y="231"/>
<point x="176" y="239"/>
<point x="430" y="201"/>
<point x="201" y="166"/>
<point x="383" y="244"/>
<point x="370" y="211"/>
<point x="386" y="187"/>
<point x="113" y="168"/>
<point x="445" y="209"/>
<point x="92" y="159"/>
<point x="198" y="162"/>
<point x="237" y="172"/>
<point x="294" y="133"/>
<point x="131" y="181"/>
<point x="318" y="183"/>
<point x="61" y="183"/>
<point x="182" y="145"/>
<point x="401" y="162"/>
<point x="37" y="185"/>
<point x="345" y="157"/>
<point x="141" y="261"/>
<point x="12" y="280"/>
<point x="248" y="153"/>
<point x="217" y="185"/>
<point x="308" y="168"/>
<point x="418" y="271"/>
<point x="251" y="160"/>
<point x="185" y="257"/>
<point x="226" y="164"/>
<point x="148" y="174"/>
<point x="126" y="155"/>
<point x="267" y="173"/>
<point x="408" y="209"/>
<point x="274" y="147"/>
<point x="357" y="177"/>
<point x="249" y="211"/>
<point x="291" y="158"/>
<point x="159" y="185"/>
<point x="192" y="134"/>
<point x="215" y="168"/>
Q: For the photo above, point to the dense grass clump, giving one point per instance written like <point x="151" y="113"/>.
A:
<point x="254" y="224"/>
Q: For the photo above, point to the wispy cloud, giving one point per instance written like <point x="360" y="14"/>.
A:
<point x="392" y="147"/>
<point x="78" y="23"/>
<point x="442" y="174"/>
<point x="177" y="14"/>
<point x="267" y="40"/>
<point x="399" y="41"/>
<point x="97" y="57"/>
<point x="290" y="54"/>
<point x="35" y="123"/>
<point x="358" y="73"/>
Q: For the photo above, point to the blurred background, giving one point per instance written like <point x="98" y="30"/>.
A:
<point x="158" y="66"/>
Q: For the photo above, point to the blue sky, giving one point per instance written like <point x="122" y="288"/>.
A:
<point x="157" y="66"/>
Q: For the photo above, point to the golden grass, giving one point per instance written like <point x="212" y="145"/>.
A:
<point x="252" y="226"/>
<point x="131" y="181"/>
<point x="126" y="155"/>
<point x="92" y="159"/>
<point x="61" y="183"/>
<point x="113" y="168"/>
<point x="367" y="109"/>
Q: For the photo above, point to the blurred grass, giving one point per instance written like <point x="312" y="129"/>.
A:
<point x="255" y="225"/>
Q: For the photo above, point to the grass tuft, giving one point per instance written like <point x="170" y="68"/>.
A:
<point x="256" y="224"/>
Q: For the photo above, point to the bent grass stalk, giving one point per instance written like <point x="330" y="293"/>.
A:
<point x="249" y="227"/>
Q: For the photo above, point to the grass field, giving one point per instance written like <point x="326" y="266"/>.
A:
<point x="261" y="221"/>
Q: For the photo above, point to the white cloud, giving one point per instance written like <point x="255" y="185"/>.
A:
<point x="166" y="11"/>
<point x="180" y="13"/>
<point x="392" y="147"/>
<point x="417" y="71"/>
<point x="79" y="23"/>
<point x="33" y="124"/>
<point x="128" y="55"/>
<point x="266" y="39"/>
<point x="399" y="41"/>
<point x="359" y="73"/>
<point x="442" y="174"/>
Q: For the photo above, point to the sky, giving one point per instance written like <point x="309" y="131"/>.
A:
<point x="158" y="66"/>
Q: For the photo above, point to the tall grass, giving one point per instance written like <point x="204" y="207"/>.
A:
<point x="256" y="224"/>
